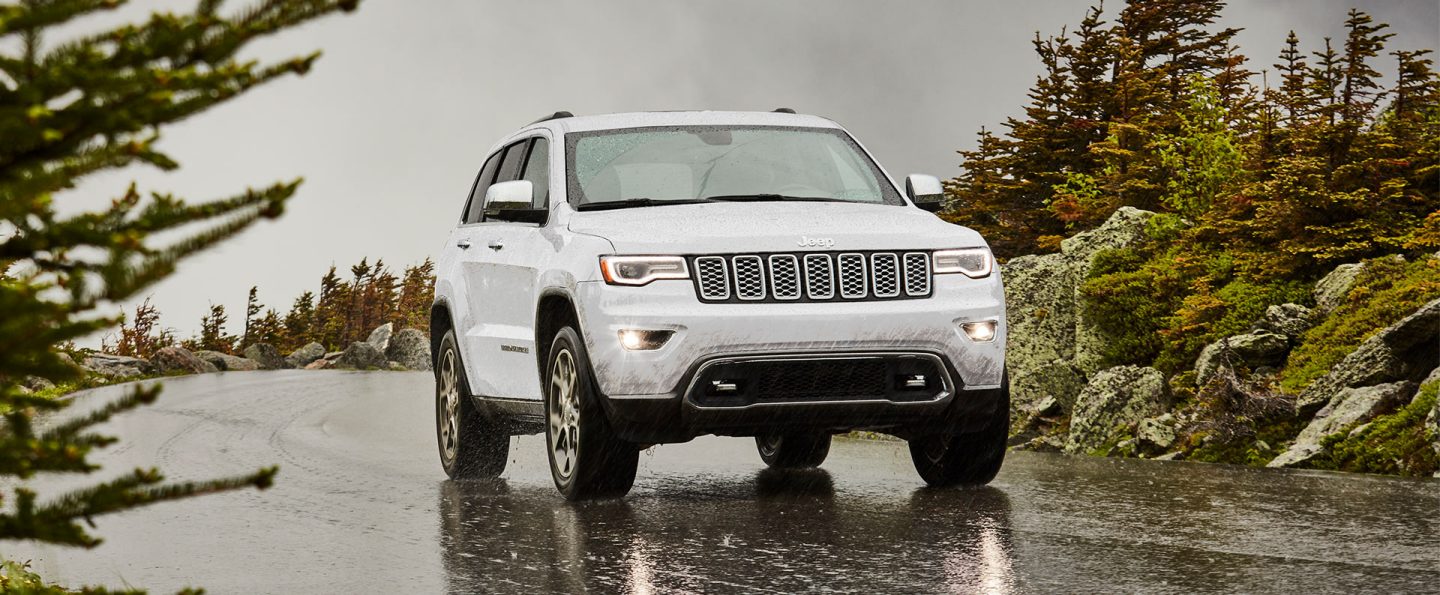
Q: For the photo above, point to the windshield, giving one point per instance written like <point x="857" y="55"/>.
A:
<point x="646" y="166"/>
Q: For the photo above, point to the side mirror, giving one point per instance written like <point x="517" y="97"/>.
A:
<point x="925" y="191"/>
<point x="513" y="201"/>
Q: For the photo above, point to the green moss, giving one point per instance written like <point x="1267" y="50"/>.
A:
<point x="1385" y="291"/>
<point x="1395" y="444"/>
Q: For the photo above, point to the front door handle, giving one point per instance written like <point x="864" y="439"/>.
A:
<point x="496" y="244"/>
<point x="463" y="244"/>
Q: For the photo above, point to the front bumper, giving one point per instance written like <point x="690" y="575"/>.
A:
<point x="648" y="388"/>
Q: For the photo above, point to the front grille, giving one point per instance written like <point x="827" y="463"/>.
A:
<point x="889" y="377"/>
<point x="813" y="276"/>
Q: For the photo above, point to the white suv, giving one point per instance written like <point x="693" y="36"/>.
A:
<point x="624" y="280"/>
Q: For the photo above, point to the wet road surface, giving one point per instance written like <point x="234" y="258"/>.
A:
<point x="361" y="506"/>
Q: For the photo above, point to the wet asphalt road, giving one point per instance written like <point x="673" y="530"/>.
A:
<point x="361" y="506"/>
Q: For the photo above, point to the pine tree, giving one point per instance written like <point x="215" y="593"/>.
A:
<point x="417" y="294"/>
<point x="1292" y="70"/>
<point x="300" y="321"/>
<point x="252" y="309"/>
<point x="67" y="111"/>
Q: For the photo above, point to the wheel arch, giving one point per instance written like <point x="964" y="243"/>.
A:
<point x="441" y="322"/>
<point x="555" y="310"/>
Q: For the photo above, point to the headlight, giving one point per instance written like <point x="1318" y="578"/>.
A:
<point x="641" y="270"/>
<point x="973" y="262"/>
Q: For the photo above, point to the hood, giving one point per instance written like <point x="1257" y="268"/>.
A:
<point x="729" y="227"/>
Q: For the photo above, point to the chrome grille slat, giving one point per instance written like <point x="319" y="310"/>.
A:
<point x="819" y="277"/>
<point x="749" y="277"/>
<point x="784" y="277"/>
<point x="885" y="274"/>
<point x="813" y="276"/>
<point x="853" y="275"/>
<point x="714" y="279"/>
<point x="917" y="273"/>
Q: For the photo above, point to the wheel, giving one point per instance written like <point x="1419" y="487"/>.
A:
<point x="971" y="458"/>
<point x="789" y="451"/>
<point x="586" y="459"/>
<point x="470" y="445"/>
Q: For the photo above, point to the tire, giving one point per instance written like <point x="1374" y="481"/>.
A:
<point x="470" y="446"/>
<point x="793" y="451"/>
<point x="587" y="460"/>
<point x="972" y="458"/>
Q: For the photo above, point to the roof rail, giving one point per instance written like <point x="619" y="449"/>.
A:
<point x="783" y="110"/>
<point x="554" y="116"/>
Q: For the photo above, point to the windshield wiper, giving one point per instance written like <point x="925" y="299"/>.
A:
<point x="635" y="202"/>
<point x="771" y="198"/>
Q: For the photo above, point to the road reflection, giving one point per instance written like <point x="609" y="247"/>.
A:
<point x="775" y="532"/>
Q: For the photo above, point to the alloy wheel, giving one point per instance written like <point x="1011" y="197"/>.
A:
<point x="564" y="415"/>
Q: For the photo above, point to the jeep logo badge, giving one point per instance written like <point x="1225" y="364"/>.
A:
<point x="809" y="242"/>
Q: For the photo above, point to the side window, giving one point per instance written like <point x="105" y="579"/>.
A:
<point x="537" y="172"/>
<point x="510" y="166"/>
<point x="482" y="183"/>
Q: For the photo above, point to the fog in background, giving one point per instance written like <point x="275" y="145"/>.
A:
<point x="390" y="127"/>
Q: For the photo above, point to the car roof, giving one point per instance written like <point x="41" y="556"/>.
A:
<point x="564" y="125"/>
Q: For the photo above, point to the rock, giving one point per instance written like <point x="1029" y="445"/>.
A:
<point x="1169" y="456"/>
<point x="267" y="356"/>
<point x="1114" y="400"/>
<point x="179" y="359"/>
<point x="1050" y="348"/>
<point x="1402" y="351"/>
<point x="395" y="366"/>
<point x="36" y="383"/>
<point x="303" y="356"/>
<point x="331" y="356"/>
<point x="1155" y="434"/>
<point x="1254" y="350"/>
<point x="411" y="348"/>
<point x="1289" y="320"/>
<point x="227" y="362"/>
<point x="1350" y="407"/>
<point x="380" y="337"/>
<point x="360" y="355"/>
<point x="1126" y="227"/>
<point x="1332" y="289"/>
<point x="319" y="364"/>
<point x="118" y="366"/>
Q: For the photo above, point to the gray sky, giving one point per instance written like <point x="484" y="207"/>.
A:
<point x="391" y="125"/>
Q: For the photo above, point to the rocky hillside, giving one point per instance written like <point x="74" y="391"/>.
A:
<point x="1269" y="396"/>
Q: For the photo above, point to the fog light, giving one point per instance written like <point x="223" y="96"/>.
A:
<point x="638" y="340"/>
<point x="980" y="332"/>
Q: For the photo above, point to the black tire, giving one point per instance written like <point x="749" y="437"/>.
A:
<point x="793" y="451"/>
<point x="591" y="462"/>
<point x="971" y="458"/>
<point x="470" y="445"/>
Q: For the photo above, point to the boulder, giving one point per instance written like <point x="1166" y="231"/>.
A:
<point x="1253" y="350"/>
<point x="360" y="355"/>
<point x="1289" y="320"/>
<point x="331" y="356"/>
<point x="118" y="366"/>
<point x="380" y="337"/>
<point x="1124" y="228"/>
<point x="267" y="356"/>
<point x="395" y="366"/>
<point x="1115" y="400"/>
<point x="1050" y="348"/>
<point x="227" y="362"/>
<point x="1432" y="421"/>
<point x="1330" y="292"/>
<point x="319" y="364"/>
<point x="411" y="348"/>
<point x="1155" y="434"/>
<point x="171" y="360"/>
<point x="36" y="383"/>
<point x="1350" y="407"/>
<point x="1402" y="351"/>
<point x="303" y="356"/>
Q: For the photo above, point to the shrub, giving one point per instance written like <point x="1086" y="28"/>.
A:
<point x="1387" y="290"/>
<point x="1397" y="444"/>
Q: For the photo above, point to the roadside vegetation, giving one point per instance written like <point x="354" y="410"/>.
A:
<point x="71" y="108"/>
<point x="1264" y="176"/>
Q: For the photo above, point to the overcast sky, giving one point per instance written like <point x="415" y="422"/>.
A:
<point x="392" y="124"/>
